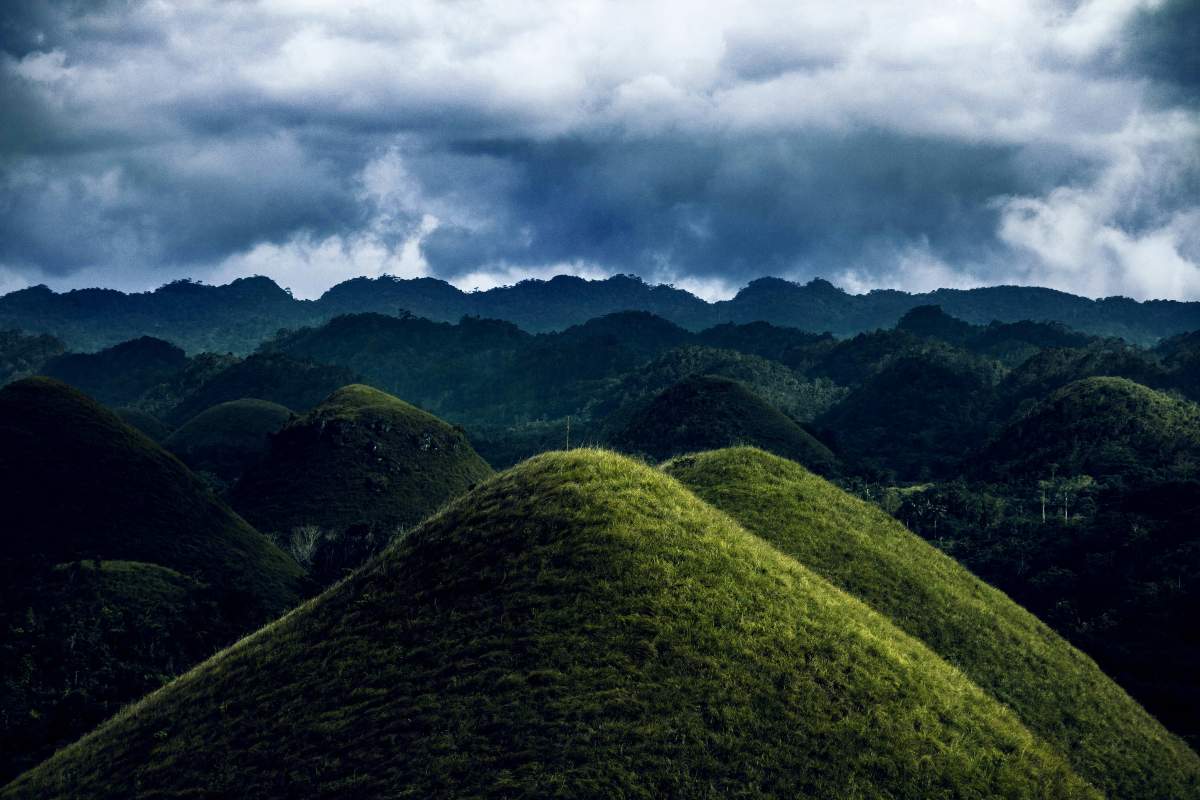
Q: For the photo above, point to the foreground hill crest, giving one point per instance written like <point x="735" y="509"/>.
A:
<point x="580" y="626"/>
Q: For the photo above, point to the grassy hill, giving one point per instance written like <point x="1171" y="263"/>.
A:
<point x="579" y="626"/>
<point x="1103" y="427"/>
<point x="143" y="421"/>
<point x="229" y="437"/>
<point x="1057" y="691"/>
<point x="703" y="412"/>
<point x="360" y="464"/>
<point x="77" y="484"/>
<point x="81" y="640"/>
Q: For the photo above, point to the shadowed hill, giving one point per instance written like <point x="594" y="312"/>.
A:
<point x="580" y="626"/>
<point x="76" y="483"/>
<point x="144" y="421"/>
<point x="229" y="437"/>
<point x="1058" y="692"/>
<point x="917" y="417"/>
<point x="1103" y="427"/>
<point x="295" y="383"/>
<point x="83" y="639"/>
<point x="704" y="412"/>
<point x="121" y="374"/>
<point x="362" y="462"/>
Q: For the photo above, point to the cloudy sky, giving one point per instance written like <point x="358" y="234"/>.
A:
<point x="918" y="144"/>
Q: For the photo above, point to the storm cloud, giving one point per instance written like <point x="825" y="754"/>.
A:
<point x="877" y="144"/>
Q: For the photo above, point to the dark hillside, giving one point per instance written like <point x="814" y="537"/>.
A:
<point x="228" y="438"/>
<point x="359" y="467"/>
<point x="704" y="412"/>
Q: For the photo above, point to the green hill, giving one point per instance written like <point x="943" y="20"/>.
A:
<point x="917" y="417"/>
<point x="579" y="626"/>
<point x="121" y="374"/>
<point x="78" y="484"/>
<point x="83" y="639"/>
<point x="359" y="466"/>
<point x="229" y="437"/>
<point x="704" y="412"/>
<point x="143" y="421"/>
<point x="1057" y="691"/>
<point x="1103" y="427"/>
<point x="298" y="384"/>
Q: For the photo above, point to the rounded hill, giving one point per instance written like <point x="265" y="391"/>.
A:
<point x="1103" y="427"/>
<point x="229" y="437"/>
<point x="579" y="626"/>
<point x="76" y="483"/>
<point x="1059" y="693"/>
<point x="362" y="464"/>
<point x="704" y="412"/>
<point x="143" y="421"/>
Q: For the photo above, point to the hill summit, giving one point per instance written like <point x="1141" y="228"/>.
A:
<point x="361" y="465"/>
<point x="579" y="626"/>
<point x="705" y="412"/>
<point x="1102" y="427"/>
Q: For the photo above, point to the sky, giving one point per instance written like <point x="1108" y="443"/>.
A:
<point x="914" y="145"/>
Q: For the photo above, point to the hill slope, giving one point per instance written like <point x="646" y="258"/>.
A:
<point x="1101" y="427"/>
<point x="1057" y="691"/>
<point x="703" y="412"/>
<point x="580" y="626"/>
<point x="229" y="437"/>
<point x="76" y="482"/>
<point x="362" y="462"/>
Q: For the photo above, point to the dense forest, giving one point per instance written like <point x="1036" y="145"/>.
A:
<point x="1058" y="463"/>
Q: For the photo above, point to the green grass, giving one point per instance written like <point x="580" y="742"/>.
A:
<point x="362" y="457"/>
<point x="229" y="437"/>
<point x="1058" y="692"/>
<point x="704" y="412"/>
<point x="77" y="483"/>
<point x="578" y="626"/>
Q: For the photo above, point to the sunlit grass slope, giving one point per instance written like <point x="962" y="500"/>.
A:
<point x="229" y="437"/>
<point x="362" y="457"/>
<point x="578" y="626"/>
<point x="1058" y="692"/>
<point x="703" y="412"/>
<point x="77" y="483"/>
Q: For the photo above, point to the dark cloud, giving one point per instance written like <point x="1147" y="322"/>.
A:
<point x="155" y="140"/>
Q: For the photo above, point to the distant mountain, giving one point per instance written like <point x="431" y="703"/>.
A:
<point x="238" y="316"/>
<point x="1058" y="692"/>
<point x="580" y="626"/>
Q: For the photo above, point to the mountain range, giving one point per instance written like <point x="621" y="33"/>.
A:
<point x="236" y="317"/>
